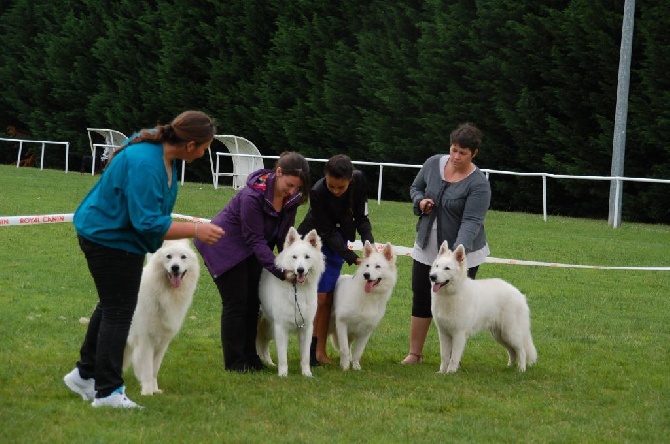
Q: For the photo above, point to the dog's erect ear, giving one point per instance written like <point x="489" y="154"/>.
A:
<point x="443" y="248"/>
<point x="388" y="252"/>
<point x="460" y="253"/>
<point x="368" y="249"/>
<point x="291" y="237"/>
<point x="313" y="238"/>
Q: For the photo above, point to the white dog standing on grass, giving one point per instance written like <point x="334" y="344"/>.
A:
<point x="289" y="306"/>
<point x="168" y="283"/>
<point x="462" y="307"/>
<point x="359" y="303"/>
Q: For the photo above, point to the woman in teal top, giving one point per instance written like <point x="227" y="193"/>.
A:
<point x="130" y="207"/>
<point x="125" y="216"/>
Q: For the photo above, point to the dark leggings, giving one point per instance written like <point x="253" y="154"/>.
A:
<point x="421" y="289"/>
<point x="117" y="276"/>
<point x="238" y="288"/>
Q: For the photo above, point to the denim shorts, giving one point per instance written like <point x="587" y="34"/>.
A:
<point x="329" y="277"/>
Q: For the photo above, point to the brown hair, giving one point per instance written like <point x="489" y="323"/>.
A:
<point x="466" y="135"/>
<point x="294" y="164"/>
<point x="188" y="126"/>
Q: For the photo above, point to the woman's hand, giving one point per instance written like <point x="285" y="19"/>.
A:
<point x="426" y="206"/>
<point x="208" y="232"/>
<point x="289" y="276"/>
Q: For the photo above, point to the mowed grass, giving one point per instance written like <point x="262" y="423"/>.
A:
<point x="602" y="336"/>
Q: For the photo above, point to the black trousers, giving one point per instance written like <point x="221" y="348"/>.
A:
<point x="421" y="289"/>
<point x="238" y="288"/>
<point x="117" y="276"/>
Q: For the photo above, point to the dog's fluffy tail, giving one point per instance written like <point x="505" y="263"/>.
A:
<point x="531" y="352"/>
<point x="127" y="356"/>
<point x="263" y="338"/>
<point x="333" y="338"/>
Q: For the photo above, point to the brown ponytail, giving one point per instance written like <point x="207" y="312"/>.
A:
<point x="188" y="126"/>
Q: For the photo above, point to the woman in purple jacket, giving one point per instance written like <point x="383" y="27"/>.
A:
<point x="256" y="220"/>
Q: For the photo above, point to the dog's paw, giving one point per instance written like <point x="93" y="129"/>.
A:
<point x="447" y="369"/>
<point x="453" y="365"/>
<point x="356" y="365"/>
<point x="267" y="360"/>
<point x="149" y="389"/>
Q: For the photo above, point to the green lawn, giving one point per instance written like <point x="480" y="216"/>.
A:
<point x="602" y="337"/>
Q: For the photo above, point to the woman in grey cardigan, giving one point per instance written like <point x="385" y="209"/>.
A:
<point x="451" y="197"/>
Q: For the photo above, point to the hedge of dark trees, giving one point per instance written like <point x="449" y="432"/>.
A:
<point x="382" y="81"/>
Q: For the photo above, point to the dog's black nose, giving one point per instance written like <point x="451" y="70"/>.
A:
<point x="300" y="270"/>
<point x="433" y="277"/>
<point x="366" y="275"/>
<point x="175" y="268"/>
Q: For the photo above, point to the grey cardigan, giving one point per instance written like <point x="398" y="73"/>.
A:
<point x="462" y="207"/>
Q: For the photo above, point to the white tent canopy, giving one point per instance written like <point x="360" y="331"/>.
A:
<point x="113" y="139"/>
<point x="245" y="156"/>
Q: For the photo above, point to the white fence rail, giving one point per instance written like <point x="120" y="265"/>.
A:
<point x="618" y="180"/>
<point x="44" y="143"/>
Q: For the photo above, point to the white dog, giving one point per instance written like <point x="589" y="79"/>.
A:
<point x="168" y="283"/>
<point x="289" y="306"/>
<point x="462" y="307"/>
<point x="360" y="301"/>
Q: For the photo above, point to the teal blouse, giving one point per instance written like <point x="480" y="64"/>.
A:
<point x="130" y="207"/>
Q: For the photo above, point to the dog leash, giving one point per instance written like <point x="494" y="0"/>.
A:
<point x="298" y="311"/>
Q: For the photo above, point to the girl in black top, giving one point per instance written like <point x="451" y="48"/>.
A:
<point x="338" y="209"/>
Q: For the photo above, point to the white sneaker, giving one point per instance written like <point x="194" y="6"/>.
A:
<point x="79" y="385"/>
<point x="117" y="399"/>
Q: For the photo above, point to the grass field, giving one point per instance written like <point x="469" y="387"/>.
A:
<point x="602" y="337"/>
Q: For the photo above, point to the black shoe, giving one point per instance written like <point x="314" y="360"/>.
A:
<point x="256" y="365"/>
<point x="239" y="366"/>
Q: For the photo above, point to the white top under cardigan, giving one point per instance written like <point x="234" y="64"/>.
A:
<point x="427" y="256"/>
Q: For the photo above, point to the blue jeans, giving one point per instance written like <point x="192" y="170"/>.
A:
<point x="117" y="276"/>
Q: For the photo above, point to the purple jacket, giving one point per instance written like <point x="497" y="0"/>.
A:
<point x="252" y="226"/>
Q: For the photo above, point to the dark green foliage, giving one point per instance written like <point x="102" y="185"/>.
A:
<point x="380" y="81"/>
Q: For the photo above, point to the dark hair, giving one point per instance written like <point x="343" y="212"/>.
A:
<point x="339" y="166"/>
<point x="294" y="164"/>
<point x="188" y="126"/>
<point x="466" y="135"/>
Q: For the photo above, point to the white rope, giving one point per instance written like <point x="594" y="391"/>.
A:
<point x="356" y="245"/>
<point x="35" y="219"/>
<point x="407" y="251"/>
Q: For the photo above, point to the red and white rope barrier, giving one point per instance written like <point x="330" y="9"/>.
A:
<point x="35" y="219"/>
<point x="356" y="245"/>
<point x="407" y="251"/>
